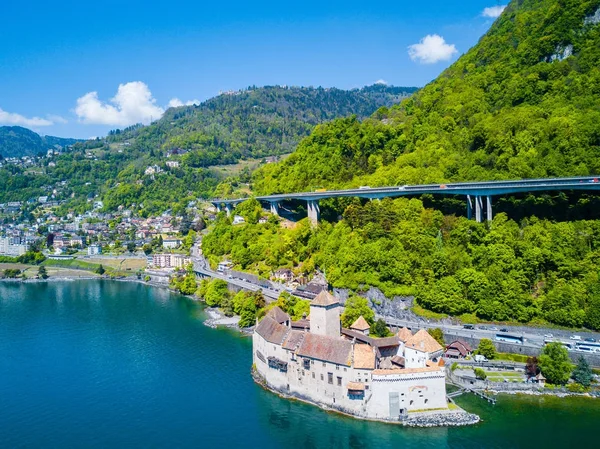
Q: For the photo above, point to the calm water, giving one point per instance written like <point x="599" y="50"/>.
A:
<point x="105" y="364"/>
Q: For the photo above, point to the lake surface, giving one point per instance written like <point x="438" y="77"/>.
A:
<point x="107" y="364"/>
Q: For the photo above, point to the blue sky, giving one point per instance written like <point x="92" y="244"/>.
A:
<point x="55" y="55"/>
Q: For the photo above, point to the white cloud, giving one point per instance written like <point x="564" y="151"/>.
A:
<point x="493" y="11"/>
<point x="57" y="119"/>
<point x="432" y="48"/>
<point x="10" y="118"/>
<point x="132" y="104"/>
<point x="384" y="82"/>
<point x="176" y="102"/>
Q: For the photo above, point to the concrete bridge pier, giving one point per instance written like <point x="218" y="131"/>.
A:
<point x="274" y="207"/>
<point x="478" y="209"/>
<point x="218" y="206"/>
<point x="469" y="208"/>
<point x="229" y="209"/>
<point x="312" y="207"/>
<point x="488" y="203"/>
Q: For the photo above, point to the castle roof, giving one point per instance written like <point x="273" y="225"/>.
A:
<point x="364" y="357"/>
<point x="360" y="324"/>
<point x="404" y="334"/>
<point x="328" y="349"/>
<point x="423" y="342"/>
<point x="271" y="330"/>
<point x="386" y="342"/>
<point x="278" y="315"/>
<point x="301" y="324"/>
<point x="293" y="340"/>
<point x="324" y="299"/>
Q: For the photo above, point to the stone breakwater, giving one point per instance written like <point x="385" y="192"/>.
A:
<point x="442" y="419"/>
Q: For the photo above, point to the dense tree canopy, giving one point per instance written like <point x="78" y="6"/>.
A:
<point x="522" y="103"/>
<point x="535" y="270"/>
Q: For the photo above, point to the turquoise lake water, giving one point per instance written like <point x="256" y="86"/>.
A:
<point x="105" y="364"/>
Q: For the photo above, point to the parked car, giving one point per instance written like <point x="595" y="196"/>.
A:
<point x="575" y="337"/>
<point x="480" y="358"/>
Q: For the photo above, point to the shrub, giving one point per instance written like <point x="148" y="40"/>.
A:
<point x="480" y="374"/>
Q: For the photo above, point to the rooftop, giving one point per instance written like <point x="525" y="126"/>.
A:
<point x="324" y="299"/>
<point x="404" y="334"/>
<point x="278" y="315"/>
<point x="328" y="349"/>
<point x="360" y="324"/>
<point x="423" y="342"/>
<point x="271" y="330"/>
<point x="364" y="357"/>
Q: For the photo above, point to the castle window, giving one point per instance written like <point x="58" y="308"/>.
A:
<point x="426" y="401"/>
<point x="337" y="367"/>
<point x="321" y="376"/>
<point x="330" y="378"/>
<point x="313" y="375"/>
<point x="306" y="364"/>
<point x="339" y="380"/>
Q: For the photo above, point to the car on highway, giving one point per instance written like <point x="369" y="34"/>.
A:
<point x="504" y="329"/>
<point x="575" y="337"/>
<point x="493" y="328"/>
<point x="591" y="340"/>
<point x="482" y="328"/>
<point x="468" y="326"/>
<point x="548" y="336"/>
<point x="364" y="187"/>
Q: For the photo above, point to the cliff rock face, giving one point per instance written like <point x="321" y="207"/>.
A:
<point x="398" y="306"/>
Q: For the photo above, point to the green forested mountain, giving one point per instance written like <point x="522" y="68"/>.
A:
<point x="16" y="141"/>
<point x="524" y="102"/>
<point x="254" y="123"/>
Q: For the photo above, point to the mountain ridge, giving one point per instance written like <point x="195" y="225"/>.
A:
<point x="17" y="141"/>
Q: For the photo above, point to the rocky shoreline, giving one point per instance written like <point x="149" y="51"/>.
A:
<point x="442" y="419"/>
<point x="218" y="319"/>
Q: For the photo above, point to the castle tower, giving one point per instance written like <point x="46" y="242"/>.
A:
<point x="325" y="315"/>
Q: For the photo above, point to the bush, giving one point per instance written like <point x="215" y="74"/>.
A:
<point x="480" y="374"/>
<point x="12" y="273"/>
<point x="576" y="388"/>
